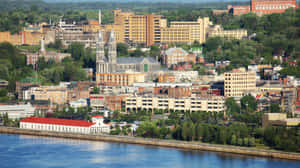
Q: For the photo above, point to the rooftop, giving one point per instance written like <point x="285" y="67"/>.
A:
<point x="56" y="121"/>
<point x="134" y="60"/>
<point x="30" y="80"/>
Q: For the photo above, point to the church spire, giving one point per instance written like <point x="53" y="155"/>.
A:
<point x="100" y="55"/>
<point x="112" y="48"/>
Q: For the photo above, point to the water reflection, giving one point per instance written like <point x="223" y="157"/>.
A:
<point x="35" y="152"/>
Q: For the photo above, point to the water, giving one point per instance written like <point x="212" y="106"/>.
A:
<point x="20" y="151"/>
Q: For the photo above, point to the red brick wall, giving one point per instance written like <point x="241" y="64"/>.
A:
<point x="261" y="7"/>
<point x="240" y="10"/>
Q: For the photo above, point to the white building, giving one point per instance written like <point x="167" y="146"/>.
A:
<point x="193" y="104"/>
<point x="64" y="125"/>
<point x="79" y="103"/>
<point x="17" y="111"/>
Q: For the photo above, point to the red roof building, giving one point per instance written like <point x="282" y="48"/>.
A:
<point x="65" y="125"/>
<point x="56" y="121"/>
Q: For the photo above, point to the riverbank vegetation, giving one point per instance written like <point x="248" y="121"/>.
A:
<point x="240" y="125"/>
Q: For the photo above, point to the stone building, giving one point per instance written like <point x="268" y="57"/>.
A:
<point x="112" y="64"/>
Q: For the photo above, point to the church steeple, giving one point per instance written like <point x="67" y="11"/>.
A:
<point x="112" y="48"/>
<point x="100" y="56"/>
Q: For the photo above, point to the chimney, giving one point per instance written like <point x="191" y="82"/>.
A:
<point x="99" y="17"/>
<point x="43" y="50"/>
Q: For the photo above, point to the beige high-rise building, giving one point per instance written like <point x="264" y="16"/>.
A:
<point x="198" y="29"/>
<point x="139" y="28"/>
<point x="239" y="82"/>
<point x="152" y="29"/>
<point x="175" y="35"/>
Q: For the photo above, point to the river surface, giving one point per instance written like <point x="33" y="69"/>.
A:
<point x="22" y="151"/>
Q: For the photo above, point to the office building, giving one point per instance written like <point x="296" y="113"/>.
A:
<point x="239" y="82"/>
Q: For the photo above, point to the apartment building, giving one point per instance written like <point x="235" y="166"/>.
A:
<point x="193" y="104"/>
<point x="239" y="82"/>
<point x="175" y="35"/>
<point x="198" y="29"/>
<point x="139" y="28"/>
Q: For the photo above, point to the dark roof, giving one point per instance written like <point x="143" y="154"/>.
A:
<point x="135" y="60"/>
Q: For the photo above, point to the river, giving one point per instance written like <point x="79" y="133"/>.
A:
<point x="22" y="151"/>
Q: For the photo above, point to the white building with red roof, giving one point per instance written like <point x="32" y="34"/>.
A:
<point x="64" y="125"/>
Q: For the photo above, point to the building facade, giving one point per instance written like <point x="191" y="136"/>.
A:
<point x="119" y="79"/>
<point x="32" y="58"/>
<point x="17" y="111"/>
<point x="67" y="126"/>
<point x="218" y="31"/>
<point x="192" y="104"/>
<point x="239" y="82"/>
<point x="261" y="7"/>
<point x="173" y="56"/>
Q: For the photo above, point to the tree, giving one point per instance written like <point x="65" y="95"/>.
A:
<point x="248" y="103"/>
<point x="274" y="108"/>
<point x="222" y="135"/>
<point x="77" y="51"/>
<point x="251" y="142"/>
<point x="122" y="50"/>
<point x="137" y="53"/>
<point x="246" y="141"/>
<point x="232" y="106"/>
<point x="233" y="140"/>
<point x="3" y="92"/>
<point x="240" y="142"/>
<point x="96" y="90"/>
<point x="154" y="51"/>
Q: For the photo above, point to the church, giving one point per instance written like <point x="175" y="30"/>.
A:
<point x="113" y="64"/>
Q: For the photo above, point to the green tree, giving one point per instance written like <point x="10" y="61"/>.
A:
<point x="232" y="106"/>
<point x="3" y="92"/>
<point x="122" y="50"/>
<point x="154" y="51"/>
<point x="248" y="103"/>
<point x="77" y="51"/>
<point x="233" y="140"/>
<point x="274" y="108"/>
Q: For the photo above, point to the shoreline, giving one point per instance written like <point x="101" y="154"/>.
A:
<point x="161" y="143"/>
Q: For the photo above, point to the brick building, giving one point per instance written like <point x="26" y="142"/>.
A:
<point x="261" y="7"/>
<point x="110" y="102"/>
<point x="240" y="10"/>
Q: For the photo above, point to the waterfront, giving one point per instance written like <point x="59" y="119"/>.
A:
<point x="34" y="152"/>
